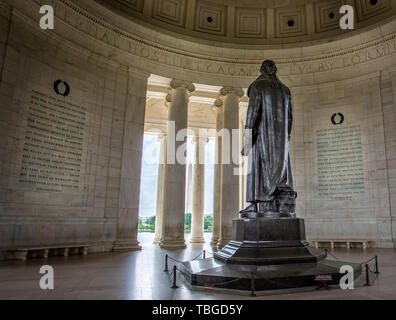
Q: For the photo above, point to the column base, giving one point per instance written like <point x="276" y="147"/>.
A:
<point x="197" y="240"/>
<point x="157" y="241"/>
<point x="126" y="245"/>
<point x="214" y="242"/>
<point x="173" y="244"/>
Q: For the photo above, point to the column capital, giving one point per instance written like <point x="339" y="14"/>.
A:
<point x="232" y="90"/>
<point x="177" y="83"/>
<point x="162" y="136"/>
<point x="168" y="100"/>
<point x="218" y="103"/>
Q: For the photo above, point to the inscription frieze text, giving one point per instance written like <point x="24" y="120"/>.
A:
<point x="340" y="163"/>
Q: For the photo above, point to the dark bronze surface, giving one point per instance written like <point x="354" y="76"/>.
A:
<point x="268" y="229"/>
<point x="214" y="273"/>
<point x="267" y="137"/>
<point x="274" y="250"/>
<point x="264" y="241"/>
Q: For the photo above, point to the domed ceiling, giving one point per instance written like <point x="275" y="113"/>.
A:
<point x="253" y="22"/>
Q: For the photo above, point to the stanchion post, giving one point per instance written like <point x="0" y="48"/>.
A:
<point x="174" y="278"/>
<point x="367" y="276"/>
<point x="166" y="263"/>
<point x="376" y="265"/>
<point x="326" y="252"/>
<point x="204" y="254"/>
<point x="252" y="285"/>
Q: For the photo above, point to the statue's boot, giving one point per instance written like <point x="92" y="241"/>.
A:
<point x="251" y="208"/>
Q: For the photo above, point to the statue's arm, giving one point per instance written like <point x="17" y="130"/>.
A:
<point x="252" y="123"/>
<point x="290" y="116"/>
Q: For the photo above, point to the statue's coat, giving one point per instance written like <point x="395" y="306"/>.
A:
<point x="270" y="117"/>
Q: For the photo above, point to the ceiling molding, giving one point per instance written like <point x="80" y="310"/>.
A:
<point x="246" y="22"/>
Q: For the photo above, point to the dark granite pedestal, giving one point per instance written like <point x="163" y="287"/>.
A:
<point x="273" y="251"/>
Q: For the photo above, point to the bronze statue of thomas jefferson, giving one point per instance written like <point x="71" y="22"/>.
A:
<point x="269" y="186"/>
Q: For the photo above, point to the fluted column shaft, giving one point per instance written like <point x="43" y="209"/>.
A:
<point x="229" y="180"/>
<point x="198" y="206"/>
<point x="160" y="190"/>
<point x="175" y="176"/>
<point x="217" y="176"/>
<point x="189" y="195"/>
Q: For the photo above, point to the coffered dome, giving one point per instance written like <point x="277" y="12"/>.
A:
<point x="265" y="22"/>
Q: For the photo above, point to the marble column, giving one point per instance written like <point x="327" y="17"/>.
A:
<point x="131" y="162"/>
<point x="175" y="177"/>
<point x="160" y="190"/>
<point x="217" y="175"/>
<point x="189" y="195"/>
<point x="229" y="178"/>
<point x="198" y="205"/>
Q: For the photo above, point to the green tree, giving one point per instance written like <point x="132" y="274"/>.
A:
<point x="147" y="225"/>
<point x="151" y="221"/>
<point x="208" y="223"/>
<point x="187" y="222"/>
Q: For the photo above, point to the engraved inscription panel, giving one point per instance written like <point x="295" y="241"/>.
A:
<point x="340" y="163"/>
<point x="53" y="149"/>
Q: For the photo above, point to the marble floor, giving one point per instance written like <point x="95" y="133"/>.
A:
<point x="139" y="275"/>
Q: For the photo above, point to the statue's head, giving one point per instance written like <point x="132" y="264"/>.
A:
<point x="269" y="67"/>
